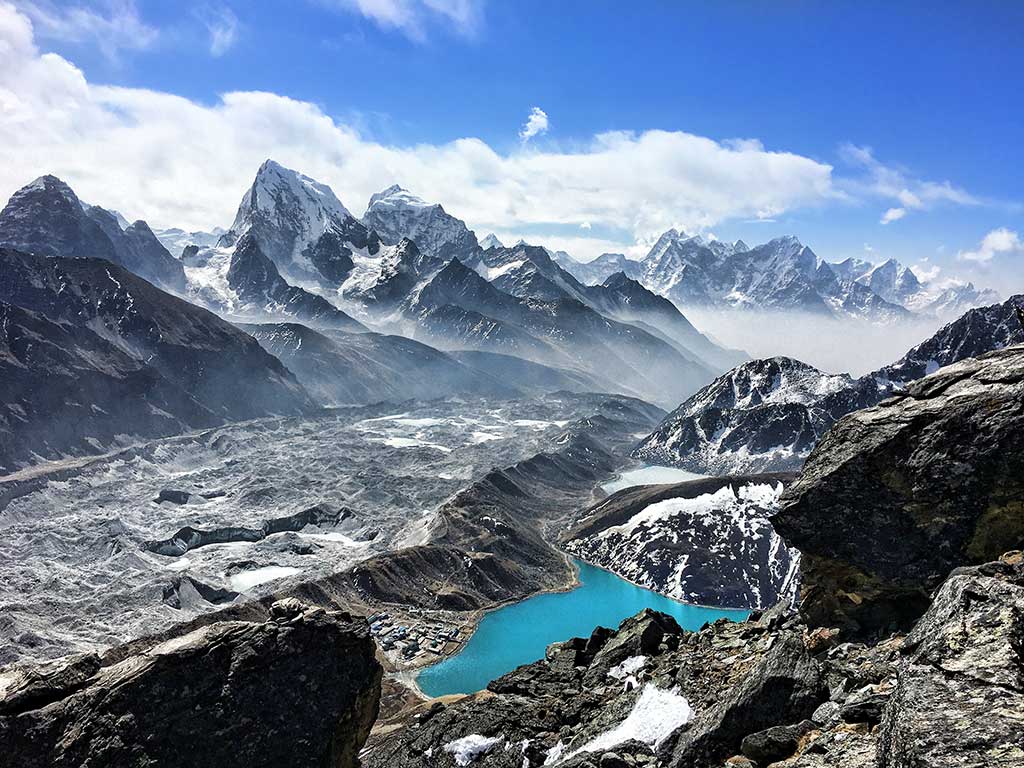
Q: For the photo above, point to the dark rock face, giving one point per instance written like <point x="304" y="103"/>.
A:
<point x="897" y="495"/>
<point x="706" y="542"/>
<point x="66" y="390"/>
<point x="960" y="696"/>
<point x="259" y="285"/>
<point x="91" y="352"/>
<point x="300" y="689"/>
<point x="47" y="218"/>
<point x="331" y="256"/>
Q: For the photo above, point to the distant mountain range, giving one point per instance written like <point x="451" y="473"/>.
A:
<point x="767" y="415"/>
<point x="782" y="274"/>
<point x="402" y="302"/>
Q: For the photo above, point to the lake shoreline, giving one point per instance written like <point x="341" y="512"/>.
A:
<point x="603" y="598"/>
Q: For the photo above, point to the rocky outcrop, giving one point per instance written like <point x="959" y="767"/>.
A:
<point x="299" y="689"/>
<point x="960" y="694"/>
<point x="898" y="495"/>
<point x="260" y="288"/>
<point x="704" y="541"/>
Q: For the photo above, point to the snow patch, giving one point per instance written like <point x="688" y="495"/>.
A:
<point x="656" y="714"/>
<point x="467" y="749"/>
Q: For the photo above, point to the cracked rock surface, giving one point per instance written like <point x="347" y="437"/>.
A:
<point x="896" y="496"/>
<point x="299" y="689"/>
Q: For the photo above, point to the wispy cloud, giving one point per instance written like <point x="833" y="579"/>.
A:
<point x="222" y="25"/>
<point x="112" y="25"/>
<point x="535" y="125"/>
<point x="896" y="185"/>
<point x="998" y="242"/>
<point x="893" y="214"/>
<point x="413" y="17"/>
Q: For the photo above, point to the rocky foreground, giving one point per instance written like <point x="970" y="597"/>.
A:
<point x="298" y="689"/>
<point x="770" y="691"/>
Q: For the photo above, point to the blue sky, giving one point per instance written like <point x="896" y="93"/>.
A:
<point x="849" y="114"/>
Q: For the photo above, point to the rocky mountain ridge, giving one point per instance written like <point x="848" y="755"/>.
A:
<point x="95" y="355"/>
<point x="47" y="218"/>
<point x="767" y="415"/>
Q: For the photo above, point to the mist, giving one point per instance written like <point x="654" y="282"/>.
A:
<point x="836" y="346"/>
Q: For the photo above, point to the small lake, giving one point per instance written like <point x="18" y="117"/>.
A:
<point x="649" y="475"/>
<point x="520" y="633"/>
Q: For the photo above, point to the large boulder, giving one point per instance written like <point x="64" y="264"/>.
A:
<point x="960" y="697"/>
<point x="300" y="689"/>
<point x="896" y="496"/>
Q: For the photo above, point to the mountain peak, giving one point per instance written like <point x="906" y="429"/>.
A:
<point x="49" y="184"/>
<point x="398" y="198"/>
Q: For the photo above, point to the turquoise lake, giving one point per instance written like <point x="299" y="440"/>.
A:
<point x="520" y="633"/>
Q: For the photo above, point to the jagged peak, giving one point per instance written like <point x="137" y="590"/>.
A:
<point x="491" y="241"/>
<point x="397" y="197"/>
<point x="276" y="185"/>
<point x="50" y="184"/>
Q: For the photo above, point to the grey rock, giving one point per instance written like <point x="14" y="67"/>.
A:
<point x="898" y="495"/>
<point x="301" y="689"/>
<point x="960" y="694"/>
<point x="785" y="686"/>
<point x="775" y="743"/>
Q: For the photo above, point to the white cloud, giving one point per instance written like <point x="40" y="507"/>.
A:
<point x="893" y="214"/>
<point x="176" y="162"/>
<point x="998" y="242"/>
<point x="585" y="225"/>
<point x="115" y="28"/>
<point x="222" y="25"/>
<point x="412" y="17"/>
<point x="925" y="273"/>
<point x="893" y="184"/>
<point x="535" y="125"/>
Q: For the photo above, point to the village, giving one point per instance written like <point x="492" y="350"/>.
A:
<point x="414" y="640"/>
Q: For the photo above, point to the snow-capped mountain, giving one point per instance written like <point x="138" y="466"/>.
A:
<point x="898" y="284"/>
<point x="396" y="213"/>
<point x="762" y="416"/>
<point x="529" y="271"/>
<point x="782" y="274"/>
<point x="600" y="269"/>
<point x="703" y="541"/>
<point x="300" y="225"/>
<point x="46" y="217"/>
<point x="176" y="240"/>
<point x="767" y="415"/>
<point x="491" y="241"/>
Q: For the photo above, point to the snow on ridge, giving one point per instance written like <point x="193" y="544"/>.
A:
<point x="467" y="749"/>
